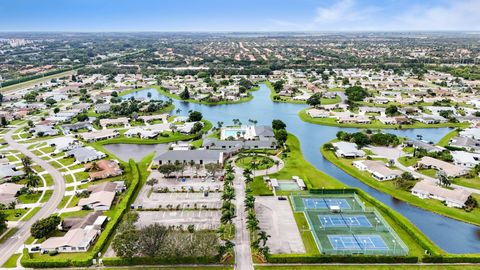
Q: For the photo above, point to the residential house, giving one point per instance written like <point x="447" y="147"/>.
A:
<point x="101" y="196"/>
<point x="104" y="169"/>
<point x="347" y="150"/>
<point x="378" y="169"/>
<point x="8" y="193"/>
<point x="8" y="171"/>
<point x="453" y="198"/>
<point x="98" y="135"/>
<point x="450" y="170"/>
<point x="63" y="144"/>
<point x="85" y="154"/>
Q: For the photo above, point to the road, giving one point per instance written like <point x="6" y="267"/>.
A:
<point x="243" y="253"/>
<point x="395" y="153"/>
<point x="9" y="247"/>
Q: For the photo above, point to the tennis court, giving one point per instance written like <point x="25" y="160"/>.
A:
<point x="344" y="221"/>
<point x="351" y="229"/>
<point x="357" y="242"/>
<point x="313" y="203"/>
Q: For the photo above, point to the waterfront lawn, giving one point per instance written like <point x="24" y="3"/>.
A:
<point x="295" y="164"/>
<point x="389" y="188"/>
<point x="446" y="139"/>
<point x="329" y="121"/>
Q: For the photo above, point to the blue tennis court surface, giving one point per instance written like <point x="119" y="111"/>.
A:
<point x="344" y="221"/>
<point x="357" y="242"/>
<point x="319" y="203"/>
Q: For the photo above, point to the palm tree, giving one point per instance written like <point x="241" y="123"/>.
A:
<point x="229" y="169"/>
<point x="247" y="172"/>
<point x="228" y="194"/>
<point x="263" y="236"/>
<point x="248" y="180"/>
<point x="32" y="180"/>
<point x="27" y="165"/>
<point x="249" y="202"/>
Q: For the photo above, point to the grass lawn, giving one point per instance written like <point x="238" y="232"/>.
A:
<point x="9" y="234"/>
<point x="67" y="161"/>
<point x="47" y="196"/>
<point x="428" y="172"/>
<point x="408" y="161"/>
<point x="389" y="188"/>
<point x="74" y="201"/>
<point x="80" y="213"/>
<point x="48" y="179"/>
<point x="467" y="182"/>
<point x="47" y="149"/>
<point x="81" y="176"/>
<point x="68" y="178"/>
<point x="307" y="236"/>
<point x="31" y="214"/>
<point x="63" y="202"/>
<point x="259" y="188"/>
<point x="262" y="161"/>
<point x="37" y="168"/>
<point x="12" y="261"/>
<point x="13" y="214"/>
<point x="30" y="198"/>
<point x="295" y="164"/>
<point x="446" y="139"/>
<point x="374" y="125"/>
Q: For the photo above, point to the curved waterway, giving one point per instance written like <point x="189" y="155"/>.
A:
<point x="451" y="235"/>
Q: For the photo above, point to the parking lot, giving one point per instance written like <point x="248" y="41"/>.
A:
<point x="276" y="219"/>
<point x="201" y="219"/>
<point x="182" y="200"/>
<point x="187" y="183"/>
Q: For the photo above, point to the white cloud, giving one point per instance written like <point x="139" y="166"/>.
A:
<point x="336" y="12"/>
<point x="451" y="15"/>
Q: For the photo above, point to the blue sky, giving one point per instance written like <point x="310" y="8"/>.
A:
<point x="239" y="15"/>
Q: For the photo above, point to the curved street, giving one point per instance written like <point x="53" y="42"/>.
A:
<point x="9" y="247"/>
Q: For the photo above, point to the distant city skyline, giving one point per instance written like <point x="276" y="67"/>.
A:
<point x="239" y="16"/>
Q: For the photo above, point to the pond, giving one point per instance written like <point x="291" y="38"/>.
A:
<point x="125" y="151"/>
<point x="451" y="235"/>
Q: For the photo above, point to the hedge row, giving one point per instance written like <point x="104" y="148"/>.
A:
<point x="115" y="261"/>
<point x="452" y="259"/>
<point x="302" y="258"/>
<point x="27" y="261"/>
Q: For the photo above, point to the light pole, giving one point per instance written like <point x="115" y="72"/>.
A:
<point x="394" y="246"/>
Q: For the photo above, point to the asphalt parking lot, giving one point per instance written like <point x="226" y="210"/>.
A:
<point x="182" y="200"/>
<point x="276" y="219"/>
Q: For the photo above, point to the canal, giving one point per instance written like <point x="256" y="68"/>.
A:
<point x="451" y="235"/>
